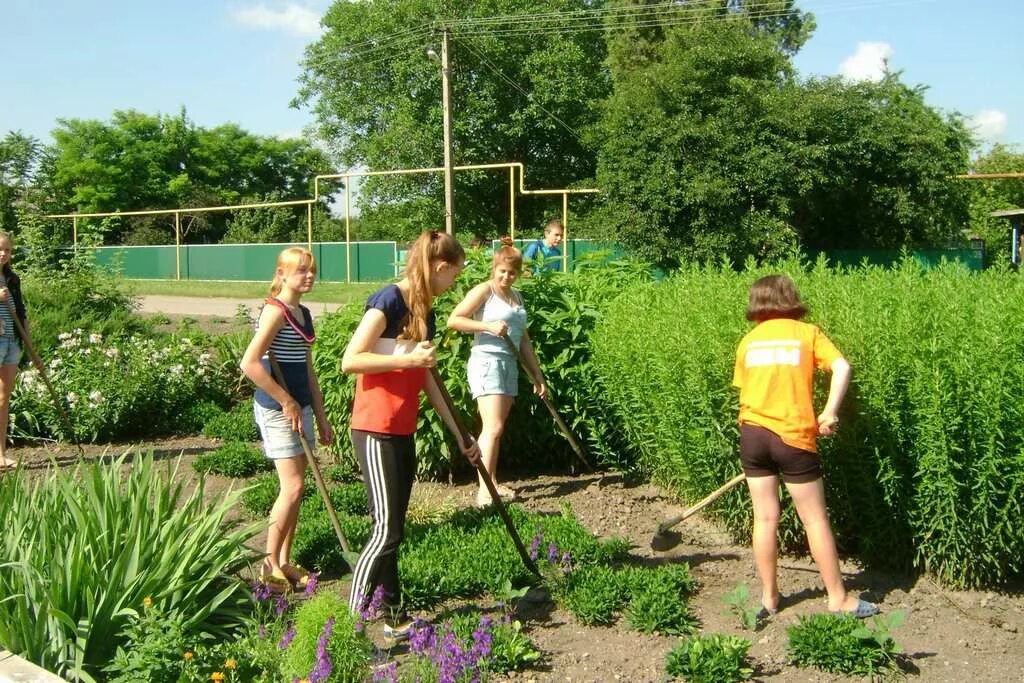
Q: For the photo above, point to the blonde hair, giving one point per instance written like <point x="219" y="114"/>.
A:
<point x="774" y="296"/>
<point x="429" y="248"/>
<point x="288" y="261"/>
<point x="507" y="254"/>
<point x="552" y="224"/>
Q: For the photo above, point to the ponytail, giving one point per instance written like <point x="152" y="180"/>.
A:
<point x="429" y="248"/>
<point x="288" y="261"/>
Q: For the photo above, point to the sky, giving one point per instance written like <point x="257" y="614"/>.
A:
<point x="238" y="60"/>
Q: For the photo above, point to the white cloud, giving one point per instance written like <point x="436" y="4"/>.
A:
<point x="989" y="124"/>
<point x="868" y="63"/>
<point x="292" y="19"/>
<point x="293" y="134"/>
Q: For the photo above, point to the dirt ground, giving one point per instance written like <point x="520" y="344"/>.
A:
<point x="948" y="635"/>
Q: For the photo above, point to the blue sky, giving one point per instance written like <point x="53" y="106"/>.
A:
<point x="237" y="60"/>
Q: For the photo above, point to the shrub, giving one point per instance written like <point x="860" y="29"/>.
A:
<point x="324" y="627"/>
<point x="596" y="595"/>
<point x="237" y="424"/>
<point x="123" y="534"/>
<point x="842" y="644"/>
<point x="925" y="468"/>
<point x="115" y="388"/>
<point x="712" y="658"/>
<point x="658" y="603"/>
<point x="234" y="459"/>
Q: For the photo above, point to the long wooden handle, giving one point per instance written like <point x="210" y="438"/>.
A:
<point x="711" y="498"/>
<point x="313" y="464"/>
<point x="465" y="437"/>
<point x="562" y="426"/>
<point x="30" y="350"/>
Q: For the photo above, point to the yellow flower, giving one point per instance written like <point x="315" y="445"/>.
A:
<point x="147" y="602"/>
<point x="230" y="664"/>
<point x="187" y="656"/>
<point x="217" y="676"/>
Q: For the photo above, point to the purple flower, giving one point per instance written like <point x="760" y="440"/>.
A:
<point x="260" y="591"/>
<point x="482" y="638"/>
<point x="535" y="545"/>
<point x="386" y="674"/>
<point x="286" y="639"/>
<point x="552" y="553"/>
<point x="311" y="584"/>
<point x="280" y="605"/>
<point x="323" y="667"/>
<point x="421" y="637"/>
<point x="566" y="562"/>
<point x="262" y="630"/>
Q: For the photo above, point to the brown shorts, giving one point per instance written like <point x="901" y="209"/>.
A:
<point x="764" y="454"/>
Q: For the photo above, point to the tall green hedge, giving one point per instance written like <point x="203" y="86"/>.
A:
<point x="563" y="310"/>
<point x="927" y="468"/>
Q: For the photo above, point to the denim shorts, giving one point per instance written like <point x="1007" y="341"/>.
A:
<point x="10" y="350"/>
<point x="279" y="439"/>
<point x="491" y="374"/>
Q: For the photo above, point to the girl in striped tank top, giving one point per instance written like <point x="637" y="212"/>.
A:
<point x="10" y="343"/>
<point x="285" y="327"/>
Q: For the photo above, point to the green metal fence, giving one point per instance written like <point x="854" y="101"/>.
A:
<point x="972" y="259"/>
<point x="371" y="261"/>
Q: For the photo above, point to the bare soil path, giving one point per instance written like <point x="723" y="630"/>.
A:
<point x="975" y="636"/>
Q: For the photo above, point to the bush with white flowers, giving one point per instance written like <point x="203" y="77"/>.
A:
<point x="118" y="387"/>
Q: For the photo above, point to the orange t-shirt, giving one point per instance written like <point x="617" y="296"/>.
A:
<point x="774" y="371"/>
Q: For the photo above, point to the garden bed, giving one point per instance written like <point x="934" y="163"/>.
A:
<point x="948" y="635"/>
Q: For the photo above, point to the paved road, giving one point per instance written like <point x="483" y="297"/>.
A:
<point x="226" y="308"/>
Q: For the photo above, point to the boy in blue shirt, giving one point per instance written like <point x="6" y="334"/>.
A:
<point x="545" y="253"/>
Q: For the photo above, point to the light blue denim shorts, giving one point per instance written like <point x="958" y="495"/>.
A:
<point x="279" y="439"/>
<point x="491" y="374"/>
<point x="10" y="350"/>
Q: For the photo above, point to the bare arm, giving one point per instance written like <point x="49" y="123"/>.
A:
<point x="462" y="318"/>
<point x="828" y="418"/>
<point x="271" y="322"/>
<point x="360" y="358"/>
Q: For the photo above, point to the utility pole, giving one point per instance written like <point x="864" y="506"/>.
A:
<point x="446" y="104"/>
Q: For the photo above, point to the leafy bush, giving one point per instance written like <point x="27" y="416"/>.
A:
<point x="234" y="459"/>
<point x="658" y="603"/>
<point x="924" y="470"/>
<point x="115" y="388"/>
<point x="712" y="658"/>
<point x="564" y="309"/>
<point x="842" y="644"/>
<point x="77" y="295"/>
<point x="326" y="616"/>
<point x="237" y="424"/>
<point x="596" y="595"/>
<point x="123" y="534"/>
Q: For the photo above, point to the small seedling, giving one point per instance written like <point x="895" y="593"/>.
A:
<point x="509" y="596"/>
<point x="738" y="601"/>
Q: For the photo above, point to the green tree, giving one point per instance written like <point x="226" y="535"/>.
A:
<point x="19" y="158"/>
<point x="377" y="100"/>
<point x="710" y="147"/>
<point x="996" y="195"/>
<point x="141" y="161"/>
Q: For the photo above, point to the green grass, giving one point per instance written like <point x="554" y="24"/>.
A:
<point x="326" y="292"/>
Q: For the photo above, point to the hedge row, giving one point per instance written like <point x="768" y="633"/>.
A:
<point x="927" y="469"/>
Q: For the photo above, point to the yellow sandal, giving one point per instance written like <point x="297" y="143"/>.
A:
<point x="300" y="574"/>
<point x="276" y="581"/>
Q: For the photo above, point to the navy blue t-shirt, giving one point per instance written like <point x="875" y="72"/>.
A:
<point x="389" y="301"/>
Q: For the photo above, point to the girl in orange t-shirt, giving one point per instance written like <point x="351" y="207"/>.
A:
<point x="774" y="372"/>
<point x="390" y="353"/>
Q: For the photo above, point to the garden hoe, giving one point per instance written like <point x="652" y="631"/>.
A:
<point x="346" y="553"/>
<point x="664" y="539"/>
<point x="576" y="447"/>
<point x="30" y="350"/>
<point x="465" y="437"/>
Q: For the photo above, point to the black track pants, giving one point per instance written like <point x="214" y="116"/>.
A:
<point x="389" y="467"/>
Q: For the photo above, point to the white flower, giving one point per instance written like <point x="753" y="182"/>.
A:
<point x="55" y="363"/>
<point x="95" y="396"/>
<point x="72" y="398"/>
<point x="205" y="358"/>
<point x="177" y="369"/>
<point x="78" y="331"/>
<point x="64" y="336"/>
<point x="95" y="338"/>
<point x="112" y="352"/>
<point x="70" y="343"/>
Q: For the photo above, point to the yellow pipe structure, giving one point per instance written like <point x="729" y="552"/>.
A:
<point x="989" y="176"/>
<point x="74" y="232"/>
<point x="177" y="245"/>
<point x="565" y="232"/>
<point x="309" y="226"/>
<point x="181" y="209"/>
<point x="348" y="236"/>
<point x="512" y="203"/>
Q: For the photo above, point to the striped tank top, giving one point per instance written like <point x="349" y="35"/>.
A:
<point x="290" y="346"/>
<point x="7" y="328"/>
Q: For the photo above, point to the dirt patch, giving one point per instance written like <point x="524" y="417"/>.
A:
<point x="948" y="635"/>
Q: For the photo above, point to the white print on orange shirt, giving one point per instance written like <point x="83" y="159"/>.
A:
<point x="773" y="352"/>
